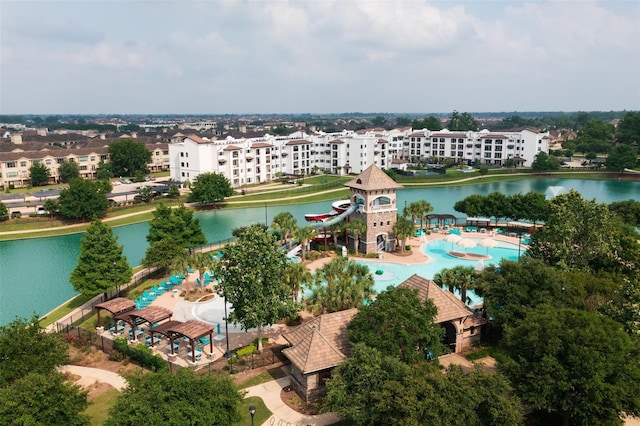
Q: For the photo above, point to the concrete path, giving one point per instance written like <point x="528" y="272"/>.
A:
<point x="282" y="414"/>
<point x="89" y="376"/>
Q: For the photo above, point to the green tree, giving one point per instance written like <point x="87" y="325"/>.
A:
<point x="628" y="131"/>
<point x="403" y="228"/>
<point x="51" y="205"/>
<point x="165" y="398"/>
<point x="473" y="205"/>
<point x="399" y="324"/>
<point x="162" y="253"/>
<point x="4" y="212"/>
<point x="544" y="163"/>
<point x="128" y="157"/>
<point x="461" y="278"/>
<point x="535" y="207"/>
<point x="210" y="188"/>
<point x="174" y="191"/>
<point x="39" y="174"/>
<point x="68" y="170"/>
<point x="26" y="348"/>
<point x="176" y="224"/>
<point x="513" y="289"/>
<point x="622" y="305"/>
<point x="339" y="285"/>
<point x="584" y="235"/>
<point x="146" y="194"/>
<point x="303" y="235"/>
<point x="356" y="227"/>
<point x="43" y="399"/>
<point x="286" y="224"/>
<point x="250" y="272"/>
<point x="462" y="122"/>
<point x="369" y="388"/>
<point x="378" y="121"/>
<point x="296" y="276"/>
<point x="622" y="157"/>
<point x="101" y="265"/>
<point x="578" y="365"/>
<point x="628" y="210"/>
<point x="84" y="199"/>
<point x="103" y="171"/>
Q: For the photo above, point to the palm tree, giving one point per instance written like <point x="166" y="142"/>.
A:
<point x="179" y="265"/>
<point x="356" y="227"/>
<point x="335" y="230"/>
<point x="303" y="236"/>
<point x="296" y="275"/>
<point x="202" y="262"/>
<point x="412" y="210"/>
<point x="339" y="285"/>
<point x="286" y="224"/>
<point x="403" y="230"/>
<point x="460" y="278"/>
<point x="425" y="207"/>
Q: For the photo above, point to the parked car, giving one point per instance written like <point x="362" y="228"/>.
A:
<point x="41" y="211"/>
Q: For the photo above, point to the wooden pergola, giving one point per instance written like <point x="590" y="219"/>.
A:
<point x="116" y="306"/>
<point x="192" y="330"/>
<point x="151" y="315"/>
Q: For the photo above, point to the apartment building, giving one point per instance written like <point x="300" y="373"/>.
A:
<point x="247" y="161"/>
<point x="19" y="152"/>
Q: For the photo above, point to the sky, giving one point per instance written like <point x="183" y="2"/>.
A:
<point x="317" y="56"/>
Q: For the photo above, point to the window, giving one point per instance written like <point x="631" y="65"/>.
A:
<point x="23" y="164"/>
<point x="182" y="164"/>
<point x="36" y="162"/>
<point x="182" y="154"/>
<point x="83" y="168"/>
<point x="47" y="162"/>
<point x="487" y="148"/>
<point x="11" y="164"/>
<point x="82" y="159"/>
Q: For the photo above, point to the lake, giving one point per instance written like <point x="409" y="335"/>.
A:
<point x="34" y="273"/>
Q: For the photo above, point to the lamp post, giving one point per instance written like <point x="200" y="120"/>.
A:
<point x="115" y="279"/>
<point x="227" y="354"/>
<point x="519" y="240"/>
<point x="252" y="411"/>
<point x="266" y="223"/>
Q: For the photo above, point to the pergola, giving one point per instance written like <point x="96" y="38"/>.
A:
<point x="192" y="330"/>
<point x="441" y="219"/>
<point x="150" y="315"/>
<point x="116" y="306"/>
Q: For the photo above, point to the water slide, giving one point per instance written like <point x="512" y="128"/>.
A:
<point x="336" y="218"/>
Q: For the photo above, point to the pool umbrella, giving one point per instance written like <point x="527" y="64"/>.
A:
<point x="452" y="238"/>
<point x="466" y="243"/>
<point x="488" y="243"/>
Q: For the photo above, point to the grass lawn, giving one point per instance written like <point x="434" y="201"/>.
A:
<point x="99" y="407"/>
<point x="262" y="412"/>
<point x="267" y="376"/>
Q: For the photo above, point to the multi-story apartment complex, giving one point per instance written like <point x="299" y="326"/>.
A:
<point x="18" y="155"/>
<point x="254" y="160"/>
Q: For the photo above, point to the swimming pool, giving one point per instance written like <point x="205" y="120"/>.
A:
<point x="395" y="273"/>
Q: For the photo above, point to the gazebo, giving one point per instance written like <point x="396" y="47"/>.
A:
<point x="151" y="315"/>
<point x="192" y="330"/>
<point x="116" y="306"/>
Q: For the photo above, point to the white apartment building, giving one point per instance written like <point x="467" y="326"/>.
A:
<point x="481" y="147"/>
<point x="248" y="161"/>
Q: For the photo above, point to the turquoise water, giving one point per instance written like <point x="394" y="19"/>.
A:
<point x="34" y="273"/>
<point x="393" y="273"/>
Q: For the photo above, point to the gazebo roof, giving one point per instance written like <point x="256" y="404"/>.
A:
<point x="320" y="343"/>
<point x="449" y="306"/>
<point x="117" y="306"/>
<point x="372" y="178"/>
<point x="150" y="314"/>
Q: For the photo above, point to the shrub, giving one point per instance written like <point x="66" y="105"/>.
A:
<point x="141" y="354"/>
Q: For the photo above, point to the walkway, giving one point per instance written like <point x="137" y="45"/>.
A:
<point x="89" y="376"/>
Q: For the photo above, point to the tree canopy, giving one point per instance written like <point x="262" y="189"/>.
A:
<point x="628" y="131"/>
<point x="399" y="324"/>
<point x="462" y="122"/>
<point x="544" y="163"/>
<point x="39" y="174"/>
<point x="370" y="388"/>
<point x="165" y="398"/>
<point x="84" y="199"/>
<point x="43" y="399"/>
<point x="578" y="365"/>
<point x="101" y="265"/>
<point x="339" y="285"/>
<point x="175" y="224"/>
<point x="68" y="170"/>
<point x="128" y="157"/>
<point x="210" y="188"/>
<point x="250" y="277"/>
<point x="622" y="157"/>
<point x="26" y="348"/>
<point x="585" y="235"/>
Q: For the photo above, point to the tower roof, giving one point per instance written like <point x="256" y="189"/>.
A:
<point x="372" y="178"/>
